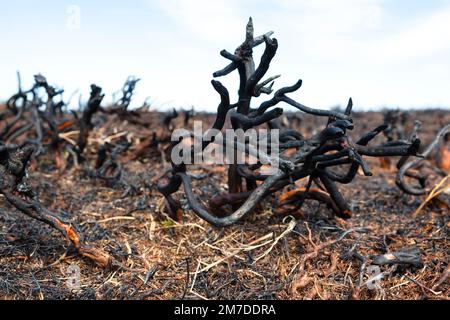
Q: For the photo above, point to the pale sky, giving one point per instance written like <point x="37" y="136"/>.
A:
<point x="393" y="53"/>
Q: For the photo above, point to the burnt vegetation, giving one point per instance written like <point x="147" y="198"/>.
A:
<point x="343" y="196"/>
<point x="318" y="158"/>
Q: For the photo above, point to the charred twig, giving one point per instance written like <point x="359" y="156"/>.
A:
<point x="168" y="119"/>
<point x="314" y="157"/>
<point x="13" y="185"/>
<point x="107" y="167"/>
<point x="407" y="256"/>
<point x="414" y="163"/>
<point x="188" y="114"/>
<point x="127" y="93"/>
<point x="92" y="107"/>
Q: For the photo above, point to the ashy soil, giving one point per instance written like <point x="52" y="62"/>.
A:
<point x="265" y="256"/>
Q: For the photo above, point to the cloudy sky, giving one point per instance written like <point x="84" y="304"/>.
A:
<point x="392" y="53"/>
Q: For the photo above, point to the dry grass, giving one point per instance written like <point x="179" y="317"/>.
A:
<point x="263" y="257"/>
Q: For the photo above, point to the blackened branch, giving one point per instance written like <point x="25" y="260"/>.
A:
<point x="314" y="157"/>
